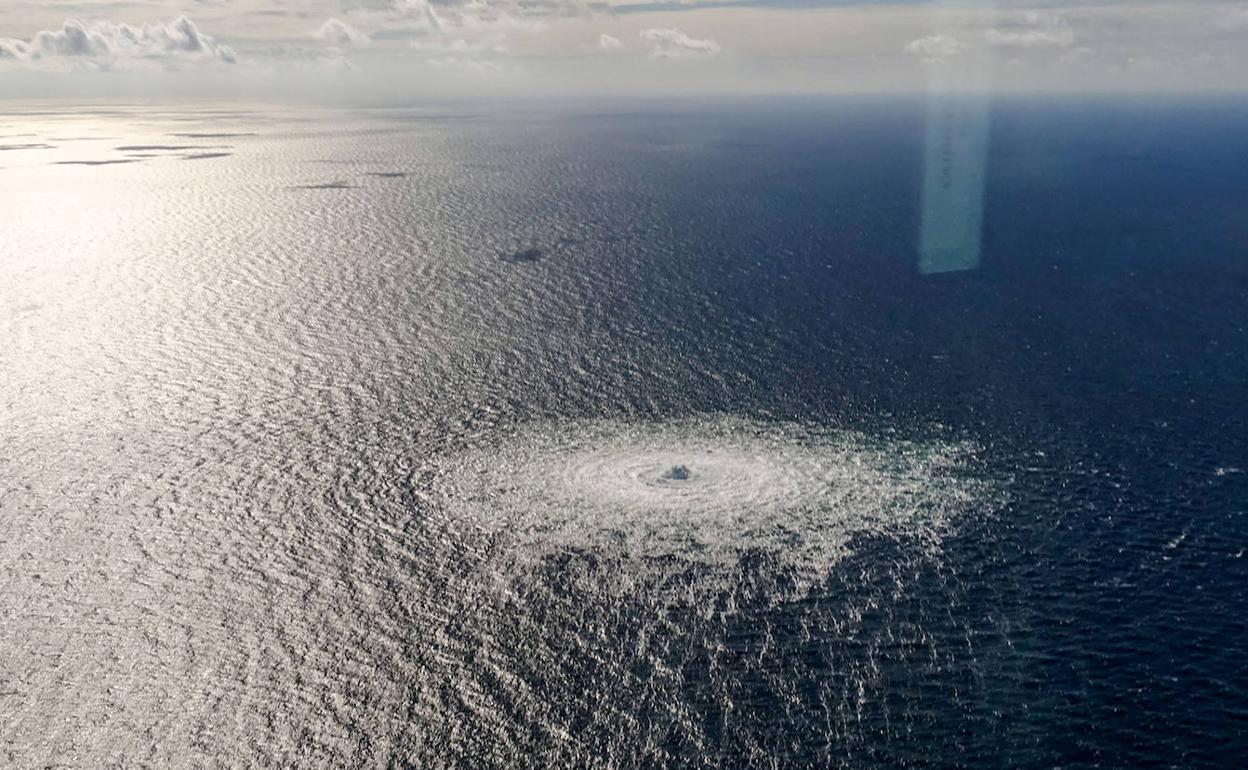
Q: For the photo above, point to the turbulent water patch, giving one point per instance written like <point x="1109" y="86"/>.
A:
<point x="708" y="491"/>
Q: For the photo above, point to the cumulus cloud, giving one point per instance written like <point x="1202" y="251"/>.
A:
<point x="465" y="31"/>
<point x="674" y="44"/>
<point x="935" y="49"/>
<point x="105" y="45"/>
<point x="340" y="34"/>
<point x="608" y="43"/>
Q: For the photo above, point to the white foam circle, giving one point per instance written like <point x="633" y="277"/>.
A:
<point x="707" y="489"/>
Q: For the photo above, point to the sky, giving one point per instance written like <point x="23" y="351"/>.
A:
<point x="398" y="50"/>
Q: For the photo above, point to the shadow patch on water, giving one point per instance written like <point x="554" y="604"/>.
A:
<point x="208" y="135"/>
<point x="159" y="147"/>
<point x="524" y="255"/>
<point x="110" y="162"/>
<point x="324" y="186"/>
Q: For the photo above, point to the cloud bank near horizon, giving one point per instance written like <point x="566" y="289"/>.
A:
<point x="406" y="47"/>
<point x="105" y="44"/>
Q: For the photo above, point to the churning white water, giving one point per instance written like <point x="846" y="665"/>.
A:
<point x="708" y="489"/>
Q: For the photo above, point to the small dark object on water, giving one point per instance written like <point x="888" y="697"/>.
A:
<point x="677" y="473"/>
<point x="527" y="255"/>
<point x="324" y="186"/>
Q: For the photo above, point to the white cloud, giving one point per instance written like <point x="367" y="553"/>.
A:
<point x="1033" y="31"/>
<point x="675" y="44"/>
<point x="571" y="45"/>
<point x="476" y="31"/>
<point x="340" y="34"/>
<point x="106" y="45"/>
<point x="420" y="11"/>
<point x="935" y="49"/>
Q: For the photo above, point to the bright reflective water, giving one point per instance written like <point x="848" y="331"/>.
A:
<point x="569" y="438"/>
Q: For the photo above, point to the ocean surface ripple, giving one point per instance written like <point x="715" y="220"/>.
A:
<point x="468" y="439"/>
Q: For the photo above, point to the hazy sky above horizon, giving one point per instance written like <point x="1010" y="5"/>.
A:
<point x="399" y="49"/>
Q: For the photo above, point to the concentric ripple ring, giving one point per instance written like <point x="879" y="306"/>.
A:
<point x="708" y="489"/>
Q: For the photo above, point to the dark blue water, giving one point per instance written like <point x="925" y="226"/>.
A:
<point x="238" y="526"/>
<point x="1102" y="344"/>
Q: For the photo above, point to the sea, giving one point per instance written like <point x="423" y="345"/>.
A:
<point x="630" y="434"/>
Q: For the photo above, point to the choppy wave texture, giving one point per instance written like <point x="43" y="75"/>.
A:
<point x="705" y="592"/>
<point x="709" y="490"/>
<point x="369" y="444"/>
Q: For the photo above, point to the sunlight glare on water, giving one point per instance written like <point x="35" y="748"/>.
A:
<point x="451" y="438"/>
